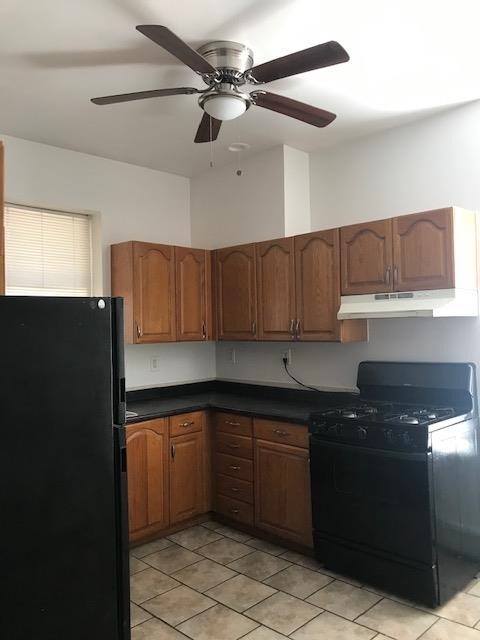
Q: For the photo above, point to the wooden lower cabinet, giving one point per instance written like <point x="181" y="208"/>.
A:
<point x="147" y="468"/>
<point x="282" y="491"/>
<point x="186" y="477"/>
<point x="168" y="474"/>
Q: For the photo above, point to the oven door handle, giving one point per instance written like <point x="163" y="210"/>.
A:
<point x="381" y="453"/>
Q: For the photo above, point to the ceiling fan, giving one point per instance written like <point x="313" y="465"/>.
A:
<point x="226" y="67"/>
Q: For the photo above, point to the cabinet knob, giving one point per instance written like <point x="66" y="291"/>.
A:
<point x="279" y="432"/>
<point x="395" y="275"/>
<point x="187" y="423"/>
<point x="172" y="451"/>
<point x="297" y="330"/>
<point x="139" y="331"/>
<point x="233" y="468"/>
<point x="232" y="424"/>
<point x="235" y="511"/>
<point x="204" y="330"/>
<point x="254" y="327"/>
<point x="234" y="489"/>
<point x="234" y="446"/>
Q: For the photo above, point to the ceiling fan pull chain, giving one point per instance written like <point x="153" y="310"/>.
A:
<point x="211" y="143"/>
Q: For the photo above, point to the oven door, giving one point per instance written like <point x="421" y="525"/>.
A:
<point x="374" y="498"/>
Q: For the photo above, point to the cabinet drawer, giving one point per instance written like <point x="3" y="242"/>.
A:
<point x="284" y="432"/>
<point x="186" y="423"/>
<point x="235" y="488"/>
<point x="235" y="445"/>
<point x="235" y="467"/>
<point x="232" y="423"/>
<point x="235" y="509"/>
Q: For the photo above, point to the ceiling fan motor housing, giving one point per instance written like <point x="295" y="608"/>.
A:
<point x="231" y="59"/>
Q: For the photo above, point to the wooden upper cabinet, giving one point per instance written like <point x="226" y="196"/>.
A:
<point x="236" y="293"/>
<point x="154" y="292"/>
<point x="191" y="293"/>
<point x="366" y="257"/>
<point x="144" y="275"/>
<point x="317" y="275"/>
<point x="2" y="232"/>
<point x="275" y="264"/>
<point x="147" y="470"/>
<point x="423" y="251"/>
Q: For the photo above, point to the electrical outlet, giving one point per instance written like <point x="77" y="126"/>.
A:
<point x="154" y="363"/>
<point x="232" y="356"/>
<point x="287" y="355"/>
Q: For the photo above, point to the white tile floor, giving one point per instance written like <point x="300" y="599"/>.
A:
<point x="211" y="582"/>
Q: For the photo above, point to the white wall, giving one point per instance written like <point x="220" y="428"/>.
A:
<point x="431" y="163"/>
<point x="296" y="189"/>
<point x="133" y="203"/>
<point x="228" y="209"/>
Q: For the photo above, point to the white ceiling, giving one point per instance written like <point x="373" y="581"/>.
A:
<point x="408" y="58"/>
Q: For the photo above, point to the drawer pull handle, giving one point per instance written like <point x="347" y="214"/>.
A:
<point x="187" y="423"/>
<point x="234" y="489"/>
<point x="234" y="446"/>
<point x="233" y="468"/>
<point x="235" y="511"/>
<point x="232" y="424"/>
<point x="279" y="432"/>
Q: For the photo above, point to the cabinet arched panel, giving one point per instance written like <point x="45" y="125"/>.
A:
<point x="423" y="251"/>
<point x="147" y="477"/>
<point x="236" y="293"/>
<point x="191" y="294"/>
<point x="276" y="289"/>
<point x="366" y="257"/>
<point x="317" y="285"/>
<point x="154" y="273"/>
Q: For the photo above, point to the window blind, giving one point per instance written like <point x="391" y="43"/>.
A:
<point x="47" y="253"/>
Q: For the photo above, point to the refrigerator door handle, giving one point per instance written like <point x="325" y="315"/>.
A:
<point x="118" y="362"/>
<point x="121" y="509"/>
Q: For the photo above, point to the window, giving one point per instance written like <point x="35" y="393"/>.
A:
<point x="47" y="253"/>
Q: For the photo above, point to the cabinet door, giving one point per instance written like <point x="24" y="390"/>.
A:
<point x="191" y="299"/>
<point x="423" y="254"/>
<point x="236" y="293"/>
<point x="282" y="491"/>
<point x="147" y="473"/>
<point x="366" y="257"/>
<point x="187" y="477"/>
<point x="154" y="292"/>
<point x="276" y="289"/>
<point x="317" y="275"/>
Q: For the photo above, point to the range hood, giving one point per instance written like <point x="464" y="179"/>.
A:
<point x="427" y="304"/>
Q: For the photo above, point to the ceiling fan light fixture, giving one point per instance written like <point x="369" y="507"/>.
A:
<point x="224" y="106"/>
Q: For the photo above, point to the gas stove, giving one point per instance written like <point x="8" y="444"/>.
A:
<point x="395" y="477"/>
<point x="388" y="424"/>
<point x="393" y="415"/>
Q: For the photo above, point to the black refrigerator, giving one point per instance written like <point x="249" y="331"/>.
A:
<point x="63" y="505"/>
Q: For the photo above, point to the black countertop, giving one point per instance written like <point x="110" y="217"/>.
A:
<point x="276" y="403"/>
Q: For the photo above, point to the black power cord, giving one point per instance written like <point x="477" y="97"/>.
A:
<point x="302" y="384"/>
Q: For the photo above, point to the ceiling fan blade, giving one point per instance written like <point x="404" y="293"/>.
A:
<point x="208" y="129"/>
<point x="141" y="95"/>
<point x="173" y="44"/>
<point x="298" y="110"/>
<point x="322" y="55"/>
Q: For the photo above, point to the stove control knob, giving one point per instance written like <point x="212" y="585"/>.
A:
<point x="388" y="435"/>
<point x="362" y="433"/>
<point x="334" y="429"/>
